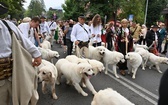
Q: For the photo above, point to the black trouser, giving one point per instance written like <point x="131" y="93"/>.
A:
<point x="163" y="89"/>
<point x="159" y="47"/>
<point x="97" y="44"/>
<point x="69" y="44"/>
<point x="141" y="39"/>
<point x="165" y="47"/>
<point x="122" y="49"/>
<point x="109" y="44"/>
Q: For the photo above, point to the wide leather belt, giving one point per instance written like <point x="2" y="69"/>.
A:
<point x="5" y="60"/>
<point x="5" y="68"/>
<point x="83" y="44"/>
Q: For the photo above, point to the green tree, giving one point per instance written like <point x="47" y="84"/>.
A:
<point x="109" y="8"/>
<point x="15" y="7"/>
<point x="154" y="11"/>
<point x="136" y="8"/>
<point x="35" y="8"/>
<point x="73" y="9"/>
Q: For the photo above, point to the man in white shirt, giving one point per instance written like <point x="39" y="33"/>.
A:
<point x="52" y="25"/>
<point x="5" y="54"/>
<point x="28" y="29"/>
<point x="80" y="36"/>
<point x="44" y="28"/>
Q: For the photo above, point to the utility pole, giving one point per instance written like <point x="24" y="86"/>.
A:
<point x="146" y="11"/>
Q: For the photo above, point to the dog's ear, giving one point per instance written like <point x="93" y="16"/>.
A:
<point x="130" y="57"/>
<point x="51" y="75"/>
<point x="81" y="69"/>
<point x="117" y="59"/>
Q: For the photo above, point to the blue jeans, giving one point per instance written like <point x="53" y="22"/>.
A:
<point x="36" y="42"/>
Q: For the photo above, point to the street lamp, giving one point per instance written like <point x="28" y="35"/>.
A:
<point x="146" y="10"/>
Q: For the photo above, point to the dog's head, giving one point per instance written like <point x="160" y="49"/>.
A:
<point x="140" y="46"/>
<point x="129" y="56"/>
<point x="86" y="69"/>
<point x="101" y="50"/>
<point x="100" y="68"/>
<point x="53" y="54"/>
<point x="45" y="74"/>
<point x="56" y="54"/>
<point x="48" y="37"/>
<point x="120" y="57"/>
<point x="163" y="60"/>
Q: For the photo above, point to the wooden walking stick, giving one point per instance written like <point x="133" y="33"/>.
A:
<point x="126" y="42"/>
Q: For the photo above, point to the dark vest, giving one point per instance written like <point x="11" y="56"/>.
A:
<point x="150" y="37"/>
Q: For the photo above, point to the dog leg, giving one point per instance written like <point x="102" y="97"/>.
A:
<point x="57" y="82"/>
<point x="35" y="97"/>
<point x="115" y="71"/>
<point x="83" y="82"/>
<point x="150" y="67"/>
<point x="90" y="86"/>
<point x="53" y="90"/>
<point x="146" y="62"/>
<point x="158" y="69"/>
<point x="129" y="69"/>
<point x="78" y="54"/>
<point x="83" y="85"/>
<point x="143" y="65"/>
<point x="79" y="89"/>
<point x="134" y="72"/>
<point x="58" y="78"/>
<point x="52" y="61"/>
<point x="44" y="87"/>
<point x="106" y="71"/>
<point x="68" y="82"/>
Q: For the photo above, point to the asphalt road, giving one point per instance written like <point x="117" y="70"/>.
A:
<point x="141" y="91"/>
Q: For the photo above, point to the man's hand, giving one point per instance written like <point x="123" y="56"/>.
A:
<point x="93" y="35"/>
<point x="98" y="35"/>
<point x="37" y="61"/>
<point x="154" y="42"/>
<point x="76" y="42"/>
<point x="122" y="40"/>
<point x="40" y="45"/>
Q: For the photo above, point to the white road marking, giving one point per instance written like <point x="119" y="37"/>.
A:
<point x="134" y="90"/>
<point x="139" y="87"/>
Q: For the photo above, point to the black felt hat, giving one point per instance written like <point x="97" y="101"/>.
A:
<point x="82" y="16"/>
<point x="42" y="17"/>
<point x="3" y="8"/>
<point x="154" y="26"/>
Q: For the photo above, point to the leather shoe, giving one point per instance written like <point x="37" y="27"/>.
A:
<point x="122" y="72"/>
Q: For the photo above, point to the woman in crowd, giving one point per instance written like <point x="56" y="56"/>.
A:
<point x="143" y="34"/>
<point x="61" y="34"/>
<point x="163" y="33"/>
<point x="67" y="32"/>
<point x="109" y="35"/>
<point x="123" y="44"/>
<point x="96" y="28"/>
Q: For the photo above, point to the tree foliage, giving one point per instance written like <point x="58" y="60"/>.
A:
<point x="73" y="8"/>
<point x="15" y="7"/>
<point x="136" y="8"/>
<point x="35" y="8"/>
<point x="154" y="11"/>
